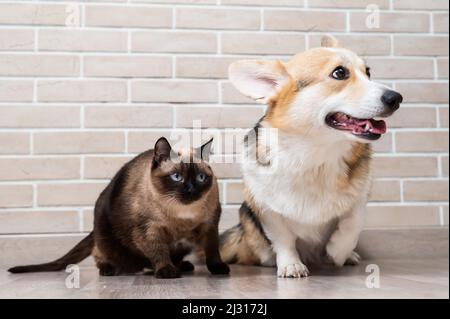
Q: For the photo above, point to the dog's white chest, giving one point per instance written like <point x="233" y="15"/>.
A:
<point x="299" y="189"/>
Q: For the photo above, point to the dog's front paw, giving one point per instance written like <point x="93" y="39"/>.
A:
<point x="297" y="270"/>
<point x="354" y="259"/>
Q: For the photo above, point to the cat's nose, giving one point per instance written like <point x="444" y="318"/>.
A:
<point x="189" y="187"/>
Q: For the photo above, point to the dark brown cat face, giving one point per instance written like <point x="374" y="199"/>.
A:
<point x="179" y="176"/>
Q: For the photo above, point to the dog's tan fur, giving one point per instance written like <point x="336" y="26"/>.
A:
<point x="240" y="244"/>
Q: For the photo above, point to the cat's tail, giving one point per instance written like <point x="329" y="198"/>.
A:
<point x="80" y="252"/>
<point x="246" y="243"/>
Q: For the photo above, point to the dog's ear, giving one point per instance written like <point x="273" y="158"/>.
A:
<point x="259" y="80"/>
<point x="329" y="41"/>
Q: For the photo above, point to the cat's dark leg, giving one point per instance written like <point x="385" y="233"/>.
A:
<point x="177" y="255"/>
<point x="211" y="246"/>
<point x="107" y="270"/>
<point x="186" y="266"/>
<point x="106" y="267"/>
<point x="104" y="264"/>
<point x="153" y="244"/>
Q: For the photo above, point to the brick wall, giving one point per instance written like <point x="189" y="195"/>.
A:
<point x="76" y="102"/>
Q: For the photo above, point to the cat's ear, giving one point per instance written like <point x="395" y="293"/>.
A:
<point x="205" y="150"/>
<point x="163" y="150"/>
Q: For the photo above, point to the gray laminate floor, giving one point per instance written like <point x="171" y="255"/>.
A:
<point x="398" y="279"/>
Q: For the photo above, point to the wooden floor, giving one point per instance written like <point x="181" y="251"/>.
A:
<point x="399" y="279"/>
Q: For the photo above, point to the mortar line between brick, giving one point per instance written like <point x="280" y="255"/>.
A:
<point x="402" y="191"/>
<point x="436" y="204"/>
<point x="441" y="216"/>
<point x="80" y="220"/>
<point x="304" y="7"/>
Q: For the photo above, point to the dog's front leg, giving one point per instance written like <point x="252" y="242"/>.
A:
<point x="340" y="248"/>
<point x="284" y="245"/>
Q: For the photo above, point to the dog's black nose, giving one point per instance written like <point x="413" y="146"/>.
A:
<point x="392" y="100"/>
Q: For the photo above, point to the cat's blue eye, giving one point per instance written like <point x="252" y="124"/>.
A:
<point x="176" y="177"/>
<point x="201" y="178"/>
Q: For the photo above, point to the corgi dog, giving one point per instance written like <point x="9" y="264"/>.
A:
<point x="305" y="197"/>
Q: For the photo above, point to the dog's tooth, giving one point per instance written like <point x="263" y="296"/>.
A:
<point x="367" y="128"/>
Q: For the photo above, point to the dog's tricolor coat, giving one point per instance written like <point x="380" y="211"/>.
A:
<point x="305" y="198"/>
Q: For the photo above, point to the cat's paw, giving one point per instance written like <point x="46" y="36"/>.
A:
<point x="186" y="266"/>
<point x="106" y="270"/>
<point x="219" y="269"/>
<point x="297" y="270"/>
<point x="168" y="272"/>
<point x="353" y="260"/>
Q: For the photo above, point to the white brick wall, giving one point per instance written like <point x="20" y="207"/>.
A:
<point x="77" y="102"/>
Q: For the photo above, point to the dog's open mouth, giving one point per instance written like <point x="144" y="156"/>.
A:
<point x="369" y="129"/>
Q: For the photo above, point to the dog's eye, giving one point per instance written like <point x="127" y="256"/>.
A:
<point x="340" y="73"/>
<point x="368" y="72"/>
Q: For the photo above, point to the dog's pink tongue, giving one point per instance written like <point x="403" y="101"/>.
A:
<point x="372" y="126"/>
<point x="378" y="127"/>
